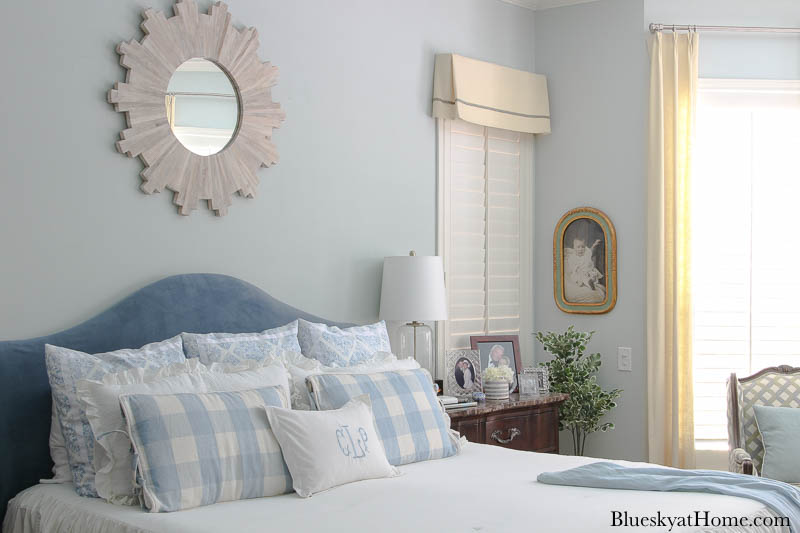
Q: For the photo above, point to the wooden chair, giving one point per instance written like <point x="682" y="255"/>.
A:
<point x="777" y="386"/>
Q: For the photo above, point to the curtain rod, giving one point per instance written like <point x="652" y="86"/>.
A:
<point x="749" y="29"/>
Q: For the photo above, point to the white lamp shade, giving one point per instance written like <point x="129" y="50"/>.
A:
<point x="413" y="289"/>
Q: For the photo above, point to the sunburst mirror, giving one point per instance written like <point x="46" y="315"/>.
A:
<point x="198" y="105"/>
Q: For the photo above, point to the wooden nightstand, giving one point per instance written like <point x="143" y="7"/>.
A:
<point x="530" y="424"/>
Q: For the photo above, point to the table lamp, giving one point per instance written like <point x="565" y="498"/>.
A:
<point x="413" y="292"/>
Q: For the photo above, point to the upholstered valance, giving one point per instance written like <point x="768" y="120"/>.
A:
<point x="490" y="95"/>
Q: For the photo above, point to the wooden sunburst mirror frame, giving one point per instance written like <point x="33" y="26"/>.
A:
<point x="168" y="43"/>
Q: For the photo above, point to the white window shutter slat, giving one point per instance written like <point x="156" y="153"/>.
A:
<point x="480" y="230"/>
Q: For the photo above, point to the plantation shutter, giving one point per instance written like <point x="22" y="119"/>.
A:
<point x="483" y="173"/>
<point x="744" y="256"/>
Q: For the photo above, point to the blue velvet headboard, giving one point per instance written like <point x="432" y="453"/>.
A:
<point x="199" y="303"/>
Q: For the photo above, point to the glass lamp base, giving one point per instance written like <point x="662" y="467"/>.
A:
<point x="416" y="341"/>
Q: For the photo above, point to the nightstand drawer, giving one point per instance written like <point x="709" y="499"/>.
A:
<point x="535" y="431"/>
<point x="509" y="431"/>
<point x="528" y="424"/>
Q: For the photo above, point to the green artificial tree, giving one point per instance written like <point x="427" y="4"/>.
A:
<point x="573" y="372"/>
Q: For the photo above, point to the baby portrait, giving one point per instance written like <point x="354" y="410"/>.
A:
<point x="584" y="262"/>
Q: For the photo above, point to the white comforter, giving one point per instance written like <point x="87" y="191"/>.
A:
<point x="485" y="488"/>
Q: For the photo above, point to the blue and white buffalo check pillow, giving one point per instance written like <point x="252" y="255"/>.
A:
<point x="199" y="449"/>
<point x="411" y="423"/>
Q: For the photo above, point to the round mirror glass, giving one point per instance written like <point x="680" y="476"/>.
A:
<point x="202" y="106"/>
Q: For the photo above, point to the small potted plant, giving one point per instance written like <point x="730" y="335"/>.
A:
<point x="497" y="381"/>
<point x="574" y="372"/>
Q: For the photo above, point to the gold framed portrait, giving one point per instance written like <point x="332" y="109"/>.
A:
<point x="585" y="262"/>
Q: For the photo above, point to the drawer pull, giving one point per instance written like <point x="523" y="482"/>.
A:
<point x="512" y="433"/>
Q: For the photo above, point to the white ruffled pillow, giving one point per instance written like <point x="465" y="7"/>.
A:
<point x="324" y="449"/>
<point x="65" y="367"/>
<point x="300" y="367"/>
<point x="113" y="459"/>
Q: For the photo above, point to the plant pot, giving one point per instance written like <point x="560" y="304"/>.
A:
<point x="496" y="390"/>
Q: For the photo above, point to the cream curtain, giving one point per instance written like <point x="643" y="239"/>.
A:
<point x="673" y="88"/>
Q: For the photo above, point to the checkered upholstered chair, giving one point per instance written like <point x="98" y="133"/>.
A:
<point x="775" y="386"/>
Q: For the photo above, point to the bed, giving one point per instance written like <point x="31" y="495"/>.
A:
<point x="485" y="488"/>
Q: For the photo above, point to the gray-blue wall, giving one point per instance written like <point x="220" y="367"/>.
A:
<point x="594" y="57"/>
<point x="597" y="66"/>
<point x="736" y="55"/>
<point x="356" y="180"/>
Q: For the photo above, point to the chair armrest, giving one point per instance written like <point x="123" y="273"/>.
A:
<point x="739" y="461"/>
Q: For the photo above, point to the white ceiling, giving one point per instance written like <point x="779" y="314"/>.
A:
<point x="545" y="4"/>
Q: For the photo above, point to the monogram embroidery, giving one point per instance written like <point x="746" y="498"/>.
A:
<point x="357" y="448"/>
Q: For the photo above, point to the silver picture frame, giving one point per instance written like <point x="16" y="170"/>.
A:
<point x="543" y="375"/>
<point x="462" y="373"/>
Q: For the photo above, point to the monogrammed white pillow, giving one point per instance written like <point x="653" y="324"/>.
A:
<point x="324" y="449"/>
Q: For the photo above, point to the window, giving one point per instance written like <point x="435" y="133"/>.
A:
<point x="485" y="226"/>
<point x="745" y="245"/>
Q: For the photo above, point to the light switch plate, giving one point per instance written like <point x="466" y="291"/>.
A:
<point x="624" y="356"/>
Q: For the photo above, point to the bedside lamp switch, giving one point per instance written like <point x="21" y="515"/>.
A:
<point x="624" y="363"/>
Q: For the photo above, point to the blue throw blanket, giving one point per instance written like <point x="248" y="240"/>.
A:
<point x="781" y="497"/>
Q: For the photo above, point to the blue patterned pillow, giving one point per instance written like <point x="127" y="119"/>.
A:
<point x="235" y="348"/>
<point x="342" y="347"/>
<point x="411" y="423"/>
<point x="199" y="449"/>
<point x="65" y="368"/>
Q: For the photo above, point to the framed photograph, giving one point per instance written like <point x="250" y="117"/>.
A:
<point x="462" y="373"/>
<point x="585" y="262"/>
<point x="528" y="385"/>
<point x="499" y="350"/>
<point x="542" y="377"/>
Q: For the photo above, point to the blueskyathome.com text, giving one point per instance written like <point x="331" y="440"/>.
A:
<point x="694" y="519"/>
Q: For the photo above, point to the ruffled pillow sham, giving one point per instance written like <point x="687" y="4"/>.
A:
<point x="66" y="367"/>
<point x="113" y="459"/>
